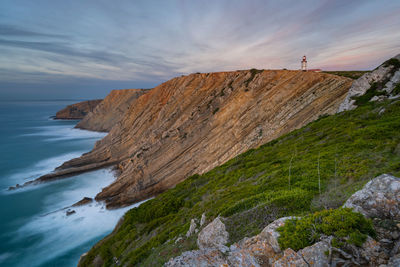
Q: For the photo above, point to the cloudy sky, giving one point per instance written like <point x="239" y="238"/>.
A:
<point x="85" y="48"/>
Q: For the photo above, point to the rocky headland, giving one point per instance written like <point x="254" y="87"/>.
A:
<point x="191" y="124"/>
<point x="110" y="111"/>
<point x="78" y="110"/>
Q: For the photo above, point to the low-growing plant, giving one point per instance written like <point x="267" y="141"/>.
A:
<point x="343" y="224"/>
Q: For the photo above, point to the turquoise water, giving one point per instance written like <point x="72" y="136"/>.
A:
<point x="34" y="230"/>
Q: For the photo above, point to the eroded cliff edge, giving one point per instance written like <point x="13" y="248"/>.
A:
<point x="110" y="111"/>
<point x="78" y="110"/>
<point x="193" y="123"/>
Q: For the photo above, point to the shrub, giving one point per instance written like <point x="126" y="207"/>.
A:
<point x="344" y="224"/>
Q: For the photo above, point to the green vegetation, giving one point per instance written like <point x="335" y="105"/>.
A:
<point x="342" y="152"/>
<point x="374" y="90"/>
<point x="392" y="62"/>
<point x="396" y="89"/>
<point x="354" y="74"/>
<point x="344" y="224"/>
<point x="253" y="73"/>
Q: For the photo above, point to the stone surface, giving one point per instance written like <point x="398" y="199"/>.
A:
<point x="271" y="235"/>
<point x="200" y="258"/>
<point x="380" y="197"/>
<point x="110" y="112"/>
<point x="290" y="259"/>
<point x="362" y="84"/>
<point x="83" y="201"/>
<point x="192" y="228"/>
<point x="78" y="110"/>
<point x="69" y="212"/>
<point x="315" y="255"/>
<point x="214" y="235"/>
<point x="194" y="123"/>
<point x="203" y="219"/>
<point x="394" y="261"/>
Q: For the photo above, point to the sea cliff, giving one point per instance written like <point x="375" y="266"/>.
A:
<point x="191" y="124"/>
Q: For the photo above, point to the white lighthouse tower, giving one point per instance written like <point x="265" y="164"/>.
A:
<point x="304" y="63"/>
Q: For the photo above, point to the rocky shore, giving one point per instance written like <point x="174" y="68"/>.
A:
<point x="78" y="110"/>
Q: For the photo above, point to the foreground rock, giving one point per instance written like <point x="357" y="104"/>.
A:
<point x="377" y="198"/>
<point x="380" y="198"/>
<point x="78" y="110"/>
<point x="213" y="235"/>
<point x="111" y="111"/>
<point x="194" y="123"/>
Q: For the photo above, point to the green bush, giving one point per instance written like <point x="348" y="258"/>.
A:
<point x="344" y="224"/>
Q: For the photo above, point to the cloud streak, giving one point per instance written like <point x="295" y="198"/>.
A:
<point x="145" y="42"/>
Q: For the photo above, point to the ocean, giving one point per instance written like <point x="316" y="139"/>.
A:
<point x="34" y="228"/>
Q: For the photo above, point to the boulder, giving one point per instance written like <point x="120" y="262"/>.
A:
<point x="380" y="198"/>
<point x="69" y="212"/>
<point x="271" y="235"/>
<point x="290" y="258"/>
<point x="83" y="201"/>
<point x="315" y="255"/>
<point x="214" y="235"/>
<point x="203" y="219"/>
<point x="192" y="228"/>
<point x="200" y="258"/>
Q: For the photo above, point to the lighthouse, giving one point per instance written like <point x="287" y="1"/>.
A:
<point x="304" y="63"/>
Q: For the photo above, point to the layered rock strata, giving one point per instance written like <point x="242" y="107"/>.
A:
<point x="194" y="123"/>
<point x="78" y="110"/>
<point x="110" y="111"/>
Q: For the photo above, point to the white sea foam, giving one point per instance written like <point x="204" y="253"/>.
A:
<point x="61" y="233"/>
<point x="64" y="132"/>
<point x="42" y="167"/>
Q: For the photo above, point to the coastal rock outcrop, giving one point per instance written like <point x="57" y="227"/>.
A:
<point x="110" y="111"/>
<point x="78" y="110"/>
<point x="193" y="123"/>
<point x="387" y="76"/>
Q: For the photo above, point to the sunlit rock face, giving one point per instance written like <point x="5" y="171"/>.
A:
<point x="110" y="111"/>
<point x="193" y="123"/>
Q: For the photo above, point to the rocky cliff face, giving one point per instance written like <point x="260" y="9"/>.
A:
<point x="110" y="111"/>
<point x="78" y="110"/>
<point x="193" y="123"/>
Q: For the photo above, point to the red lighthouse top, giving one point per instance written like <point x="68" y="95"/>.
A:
<point x="304" y="58"/>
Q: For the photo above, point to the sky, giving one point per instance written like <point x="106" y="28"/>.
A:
<point x="57" y="49"/>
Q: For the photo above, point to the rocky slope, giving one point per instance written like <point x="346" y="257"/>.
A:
<point x="379" y="84"/>
<point x="110" y="111"/>
<point x="193" y="123"/>
<point x="314" y="168"/>
<point x="78" y="110"/>
<point x="379" y="200"/>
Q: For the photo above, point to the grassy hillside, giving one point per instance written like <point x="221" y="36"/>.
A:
<point x="318" y="166"/>
<point x="352" y="74"/>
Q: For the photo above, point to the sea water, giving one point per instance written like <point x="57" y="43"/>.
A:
<point x="34" y="227"/>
